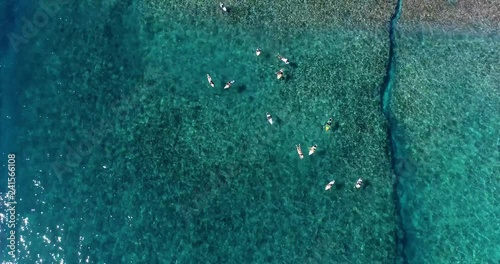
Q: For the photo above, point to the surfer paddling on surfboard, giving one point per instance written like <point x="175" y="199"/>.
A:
<point x="209" y="78"/>
<point x="228" y="84"/>
<point x="223" y="7"/>
<point x="299" y="151"/>
<point x="329" y="185"/>
<point x="328" y="125"/>
<point x="312" y="150"/>
<point x="285" y="60"/>
<point x="359" y="183"/>
<point x="269" y="118"/>
<point x="279" y="74"/>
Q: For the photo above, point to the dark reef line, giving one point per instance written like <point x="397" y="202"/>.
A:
<point x="395" y="137"/>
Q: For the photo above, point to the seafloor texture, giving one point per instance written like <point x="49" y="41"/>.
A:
<point x="134" y="158"/>
<point x="445" y="16"/>
<point x="447" y="99"/>
<point x="282" y="16"/>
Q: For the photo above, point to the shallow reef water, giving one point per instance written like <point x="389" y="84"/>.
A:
<point x="126" y="154"/>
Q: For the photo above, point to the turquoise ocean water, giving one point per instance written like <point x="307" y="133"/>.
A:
<point x="125" y="154"/>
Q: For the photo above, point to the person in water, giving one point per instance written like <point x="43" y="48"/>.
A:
<point x="279" y="74"/>
<point x="258" y="51"/>
<point x="359" y="183"/>
<point x="329" y="185"/>
<point x="223" y="7"/>
<point x="228" y="84"/>
<point x="299" y="151"/>
<point x="209" y="78"/>
<point x="312" y="150"/>
<point x="328" y="125"/>
<point x="269" y="118"/>
<point x="285" y="60"/>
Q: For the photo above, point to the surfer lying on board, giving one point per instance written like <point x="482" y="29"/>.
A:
<point x="228" y="84"/>
<point x="258" y="51"/>
<point x="328" y="125"/>
<point x="359" y="183"/>
<point x="269" y="118"/>
<point x="209" y="78"/>
<point x="329" y="185"/>
<point x="299" y="151"/>
<point x="223" y="7"/>
<point x="312" y="150"/>
<point x="279" y="74"/>
<point x="285" y="60"/>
